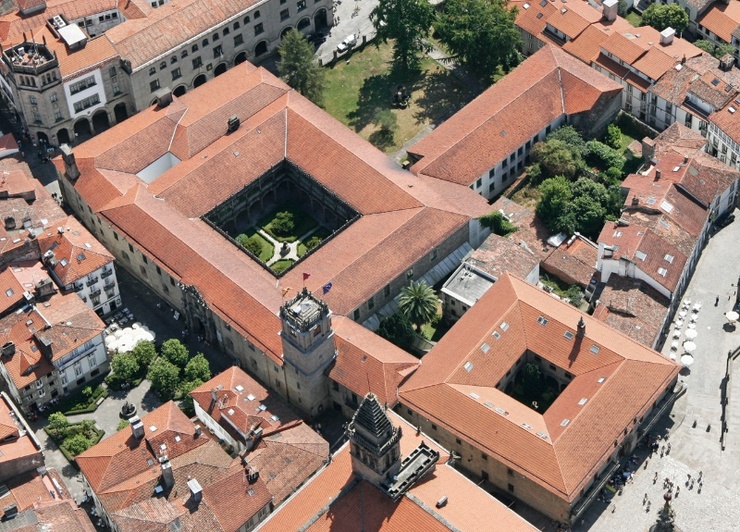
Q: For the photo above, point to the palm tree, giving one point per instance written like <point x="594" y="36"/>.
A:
<point x="418" y="302"/>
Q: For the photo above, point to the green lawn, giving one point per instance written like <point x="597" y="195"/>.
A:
<point x="281" y="265"/>
<point x="304" y="222"/>
<point x="360" y="87"/>
<point x="634" y="18"/>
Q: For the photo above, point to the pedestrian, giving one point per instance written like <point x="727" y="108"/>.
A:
<point x="716" y="301"/>
<point x="646" y="462"/>
<point x="700" y="475"/>
<point x="614" y="508"/>
<point x="678" y="488"/>
<point x="655" y="478"/>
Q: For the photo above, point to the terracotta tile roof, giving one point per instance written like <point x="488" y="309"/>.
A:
<point x="7" y="142"/>
<point x="679" y="138"/>
<point x="30" y="489"/>
<point x="332" y="498"/>
<point x="532" y="19"/>
<point x="574" y="263"/>
<point x="62" y="516"/>
<point x="632" y="307"/>
<point x="624" y="47"/>
<point x="573" y="18"/>
<point x="78" y="253"/>
<point x="721" y="19"/>
<point x="726" y="120"/>
<point x="170" y="25"/>
<point x="497" y="255"/>
<point x="655" y="63"/>
<point x="563" y="457"/>
<point x="20" y="446"/>
<point x="531" y="233"/>
<point x="503" y="118"/>
<point x="366" y="362"/>
<point x="11" y="292"/>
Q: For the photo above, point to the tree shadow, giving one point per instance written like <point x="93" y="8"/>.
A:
<point x="376" y="94"/>
<point x="442" y="96"/>
<point x="150" y="401"/>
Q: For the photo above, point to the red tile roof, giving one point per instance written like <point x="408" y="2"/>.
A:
<point x="456" y="386"/>
<point x="402" y="219"/>
<point x="503" y="118"/>
<point x="335" y="499"/>
<point x="11" y="291"/>
<point x="366" y="362"/>
<point x="20" y="445"/>
<point x="574" y="263"/>
<point x="721" y="19"/>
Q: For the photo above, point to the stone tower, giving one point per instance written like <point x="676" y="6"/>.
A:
<point x="308" y="349"/>
<point x="374" y="443"/>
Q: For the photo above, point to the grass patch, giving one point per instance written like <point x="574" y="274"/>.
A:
<point x="301" y="250"/>
<point x="361" y="87"/>
<point x="634" y="18"/>
<point x="78" y="403"/>
<point x="304" y="222"/>
<point x="435" y="331"/>
<point x="268" y="250"/>
<point x="573" y="293"/>
<point x="64" y="437"/>
<point x="281" y="265"/>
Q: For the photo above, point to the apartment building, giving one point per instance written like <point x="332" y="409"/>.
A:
<point x="74" y="68"/>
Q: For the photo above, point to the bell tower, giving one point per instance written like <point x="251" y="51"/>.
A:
<point x="308" y="349"/>
<point x="375" y="444"/>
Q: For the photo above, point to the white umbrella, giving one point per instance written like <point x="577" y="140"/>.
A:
<point x="673" y="356"/>
<point x="697" y="307"/>
<point x="118" y="333"/>
<point x="682" y="313"/>
<point x="692" y="325"/>
<point x="689" y="346"/>
<point x="677" y="333"/>
<point x="691" y="334"/>
<point x="732" y="316"/>
<point x="679" y="323"/>
<point x="674" y="344"/>
<point x="109" y="339"/>
<point x="687" y="360"/>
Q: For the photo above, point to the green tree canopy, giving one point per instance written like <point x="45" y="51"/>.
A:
<point x="613" y="137"/>
<point x="717" y="50"/>
<point x="661" y="16"/>
<point x="77" y="444"/>
<point x="144" y="352"/>
<point x="176" y="352"/>
<point x="187" y="401"/>
<point x="571" y="137"/>
<point x="122" y="424"/>
<point x="298" y="68"/>
<point x="57" y="424"/>
<point x="418" y="302"/>
<point x="407" y="23"/>
<point x="555" y="196"/>
<point x="198" y="368"/>
<point x="497" y="222"/>
<point x="283" y="224"/>
<point x="165" y="377"/>
<point x="557" y="158"/>
<point x="481" y="35"/>
<point x="601" y="155"/>
<point x="397" y="329"/>
<point x="125" y="367"/>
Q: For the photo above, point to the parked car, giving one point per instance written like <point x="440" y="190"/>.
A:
<point x="347" y="43"/>
<point x="725" y="220"/>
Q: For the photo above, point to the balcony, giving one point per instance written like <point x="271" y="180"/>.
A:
<point x="106" y="273"/>
<point x="95" y="294"/>
<point x="109" y="286"/>
<point x="92" y="281"/>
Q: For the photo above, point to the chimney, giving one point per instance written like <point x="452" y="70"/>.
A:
<point x="198" y="431"/>
<point x="610" y="9"/>
<point x="233" y="124"/>
<point x="214" y="397"/>
<point x="635" y="201"/>
<point x="44" y="344"/>
<point x="442" y="502"/>
<point x="168" y="477"/>
<point x="196" y="492"/>
<point x="658" y="174"/>
<point x="164" y="97"/>
<point x="8" y="349"/>
<point x="70" y="165"/>
<point x="648" y="148"/>
<point x="44" y="288"/>
<point x="137" y="427"/>
<point x="726" y="62"/>
<point x="252" y="475"/>
<point x="253" y="437"/>
<point x="666" y="36"/>
<point x="10" y="511"/>
<point x="685" y="159"/>
<point x="10" y="222"/>
<point x="581" y="330"/>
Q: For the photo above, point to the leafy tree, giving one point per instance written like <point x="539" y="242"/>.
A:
<point x="198" y="368"/>
<point x="187" y="401"/>
<point x="122" y="424"/>
<point x="77" y="444"/>
<point x="175" y="352"/>
<point x="661" y="16"/>
<point x="497" y="222"/>
<point x="125" y="367"/>
<point x="613" y="137"/>
<point x="398" y="330"/>
<point x="717" y="50"/>
<point x="87" y="426"/>
<point x="253" y="245"/>
<point x="144" y="352"/>
<point x="57" y="424"/>
<point x="87" y="391"/>
<point x="532" y="379"/>
<point x="313" y="242"/>
<point x="283" y="224"/>
<point x="407" y="24"/>
<point x="571" y="137"/>
<point x="418" y="302"/>
<point x="481" y="35"/>
<point x="555" y="157"/>
<point x="165" y="377"/>
<point x="600" y="154"/>
<point x="555" y="196"/>
<point x="298" y="68"/>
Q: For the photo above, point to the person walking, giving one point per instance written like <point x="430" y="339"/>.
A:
<point x="716" y="301"/>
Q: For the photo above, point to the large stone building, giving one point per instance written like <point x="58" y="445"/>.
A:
<point x="557" y="451"/>
<point x="168" y="190"/>
<point x="70" y="69"/>
<point x="486" y="144"/>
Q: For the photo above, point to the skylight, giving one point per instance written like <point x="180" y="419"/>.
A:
<point x="496" y="335"/>
<point x="239" y="388"/>
<point x="601" y="380"/>
<point x="542" y="320"/>
<point x="468" y="366"/>
<point x="595" y="349"/>
<point x="641" y="255"/>
<point x="250" y="397"/>
<point x="668" y="258"/>
<point x="474" y="395"/>
<point x="662" y="272"/>
<point x="568" y="335"/>
<point x="583" y="401"/>
<point x="617" y="234"/>
<point x="504" y="326"/>
<point x="666" y="206"/>
<point x="485" y="348"/>
<point x="9" y="292"/>
<point x="564" y="422"/>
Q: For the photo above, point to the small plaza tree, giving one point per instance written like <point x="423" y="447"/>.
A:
<point x="407" y="24"/>
<point x="418" y="303"/>
<point x="298" y="68"/>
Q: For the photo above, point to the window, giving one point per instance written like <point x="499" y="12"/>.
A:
<point x="197" y="62"/>
<point x="434" y="427"/>
<point x="204" y="43"/>
<point x="433" y="256"/>
<point x="131" y="248"/>
<point x="194" y="48"/>
<point x="510" y="472"/>
<point x="256" y="15"/>
<point x="218" y="51"/>
<point x="356" y="314"/>
<point x="162" y="65"/>
<point x="246" y="20"/>
<point x="301" y="5"/>
<point x="58" y="116"/>
<point x="80" y="85"/>
<point x="371" y="303"/>
<point x="86" y="103"/>
<point x="215" y="37"/>
<point x="54" y="97"/>
<point x="479" y="182"/>
<point x="238" y="39"/>
<point x="152" y="71"/>
<point x="227" y="31"/>
<point x="484" y="456"/>
<point x="154" y="85"/>
<point x="236" y="25"/>
<point x="176" y="74"/>
<point x="183" y="54"/>
<point x="258" y="28"/>
<point x="511" y="488"/>
<point x="285" y="14"/>
<point x="387" y="291"/>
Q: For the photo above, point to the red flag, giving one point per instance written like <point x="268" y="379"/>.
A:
<point x="306" y="276"/>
